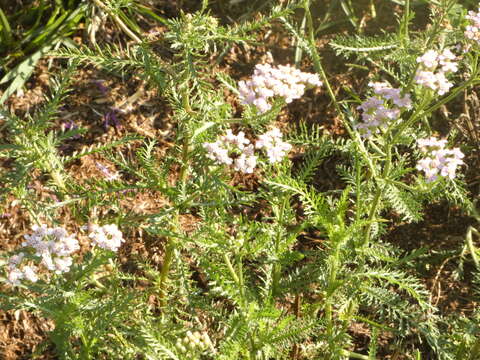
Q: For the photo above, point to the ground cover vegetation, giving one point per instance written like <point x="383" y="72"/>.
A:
<point x="239" y="179"/>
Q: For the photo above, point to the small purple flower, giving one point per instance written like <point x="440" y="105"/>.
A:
<point x="72" y="126"/>
<point x="103" y="89"/>
<point x="111" y="119"/>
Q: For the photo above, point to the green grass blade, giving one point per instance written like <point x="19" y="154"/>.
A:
<point x="20" y="74"/>
<point x="6" y="29"/>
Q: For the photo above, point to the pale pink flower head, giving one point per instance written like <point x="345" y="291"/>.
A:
<point x="439" y="161"/>
<point x="472" y="31"/>
<point x="429" y="59"/>
<point x="107" y="237"/>
<point x="231" y="149"/>
<point x="382" y="109"/>
<point x="434" y="68"/>
<point x="274" y="146"/>
<point x="53" y="245"/>
<point x="30" y="273"/>
<point x="268" y="82"/>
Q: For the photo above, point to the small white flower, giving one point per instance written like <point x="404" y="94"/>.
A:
<point x="14" y="276"/>
<point x="15" y="260"/>
<point x="53" y="245"/>
<point x="30" y="274"/>
<point x="429" y="59"/>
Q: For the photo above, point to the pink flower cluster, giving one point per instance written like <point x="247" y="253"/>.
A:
<point x="472" y="31"/>
<point x="268" y="82"/>
<point x="434" y="68"/>
<point x="53" y="245"/>
<point x="382" y="108"/>
<point x="107" y="237"/>
<point x="439" y="161"/>
<point x="238" y="151"/>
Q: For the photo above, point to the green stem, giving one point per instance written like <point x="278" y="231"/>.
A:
<point x="231" y="269"/>
<point x="378" y="195"/>
<point x="277" y="267"/>
<point x="406" y="35"/>
<point x="85" y="351"/>
<point x="171" y="243"/>
<point x="332" y="279"/>
<point x="185" y="151"/>
<point x="119" y="21"/>
<point x="312" y="50"/>
<point x="421" y="112"/>
<point x="167" y="261"/>
<point x="354" y="355"/>
<point x="237" y="277"/>
<point x="318" y="64"/>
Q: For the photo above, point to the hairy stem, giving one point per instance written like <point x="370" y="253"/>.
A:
<point x="277" y="267"/>
<point x="167" y="261"/>
<point x="378" y="195"/>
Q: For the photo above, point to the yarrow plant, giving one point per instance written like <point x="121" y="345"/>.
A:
<point x="268" y="82"/>
<point x="382" y="109"/>
<point x="438" y="161"/>
<point x="434" y="68"/>
<point x="237" y="150"/>
<point x="281" y="268"/>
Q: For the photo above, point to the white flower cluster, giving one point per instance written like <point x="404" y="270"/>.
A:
<point x="195" y="341"/>
<point x="472" y="31"/>
<point x="237" y="150"/>
<point x="107" y="237"/>
<point x="273" y="145"/>
<point x="233" y="149"/>
<point x="434" y="67"/>
<point x="53" y="245"/>
<point x="382" y="108"/>
<point x="267" y="82"/>
<point x="439" y="161"/>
